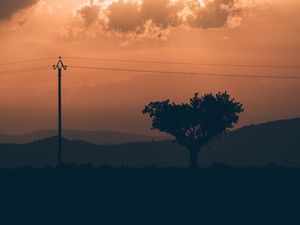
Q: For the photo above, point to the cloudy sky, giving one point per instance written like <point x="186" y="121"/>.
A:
<point x="259" y="32"/>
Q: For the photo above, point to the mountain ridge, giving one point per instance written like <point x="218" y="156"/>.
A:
<point x="274" y="142"/>
<point x="91" y="136"/>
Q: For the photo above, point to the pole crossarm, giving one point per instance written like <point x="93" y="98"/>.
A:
<point x="60" y="64"/>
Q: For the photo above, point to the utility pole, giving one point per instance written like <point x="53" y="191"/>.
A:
<point x="59" y="66"/>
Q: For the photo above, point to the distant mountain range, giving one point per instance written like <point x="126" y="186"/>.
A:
<point x="275" y="142"/>
<point x="94" y="137"/>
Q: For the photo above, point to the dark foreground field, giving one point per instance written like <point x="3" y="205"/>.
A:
<point x="86" y="195"/>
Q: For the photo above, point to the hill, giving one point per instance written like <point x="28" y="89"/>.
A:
<point x="256" y="145"/>
<point x="95" y="137"/>
<point x="275" y="142"/>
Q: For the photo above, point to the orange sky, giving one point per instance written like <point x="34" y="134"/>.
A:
<point x="219" y="31"/>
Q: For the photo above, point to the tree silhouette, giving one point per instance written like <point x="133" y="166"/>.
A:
<point x="195" y="123"/>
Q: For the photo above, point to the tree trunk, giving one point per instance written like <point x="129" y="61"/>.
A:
<point x="194" y="158"/>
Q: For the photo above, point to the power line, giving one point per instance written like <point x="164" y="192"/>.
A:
<point x="190" y="73"/>
<point x="23" y="70"/>
<point x="33" y="69"/>
<point x="26" y="61"/>
<point x="20" y="69"/>
<point x="188" y="63"/>
<point x="159" y="62"/>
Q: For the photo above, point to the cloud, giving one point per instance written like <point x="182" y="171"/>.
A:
<point x="89" y="13"/>
<point x="117" y="13"/>
<point x="215" y="14"/>
<point x="159" y="12"/>
<point x="154" y="19"/>
<point x="10" y="7"/>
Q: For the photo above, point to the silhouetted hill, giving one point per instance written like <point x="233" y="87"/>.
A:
<point x="95" y="137"/>
<point x="44" y="152"/>
<point x="272" y="142"/>
<point x="256" y="145"/>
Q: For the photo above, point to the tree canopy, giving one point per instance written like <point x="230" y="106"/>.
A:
<point x="195" y="123"/>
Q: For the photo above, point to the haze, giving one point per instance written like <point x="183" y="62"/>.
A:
<point x="208" y="31"/>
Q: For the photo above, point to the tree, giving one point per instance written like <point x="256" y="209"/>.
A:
<point x="195" y="123"/>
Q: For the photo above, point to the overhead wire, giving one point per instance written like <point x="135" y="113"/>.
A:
<point x="27" y="61"/>
<point x="189" y="63"/>
<point x="189" y="73"/>
<point x="232" y="75"/>
<point x="23" y="70"/>
<point x="157" y="62"/>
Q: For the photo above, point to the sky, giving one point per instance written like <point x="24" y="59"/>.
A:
<point x="253" y="32"/>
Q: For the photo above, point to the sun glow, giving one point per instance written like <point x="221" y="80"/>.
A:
<point x="106" y="3"/>
<point x="202" y="3"/>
